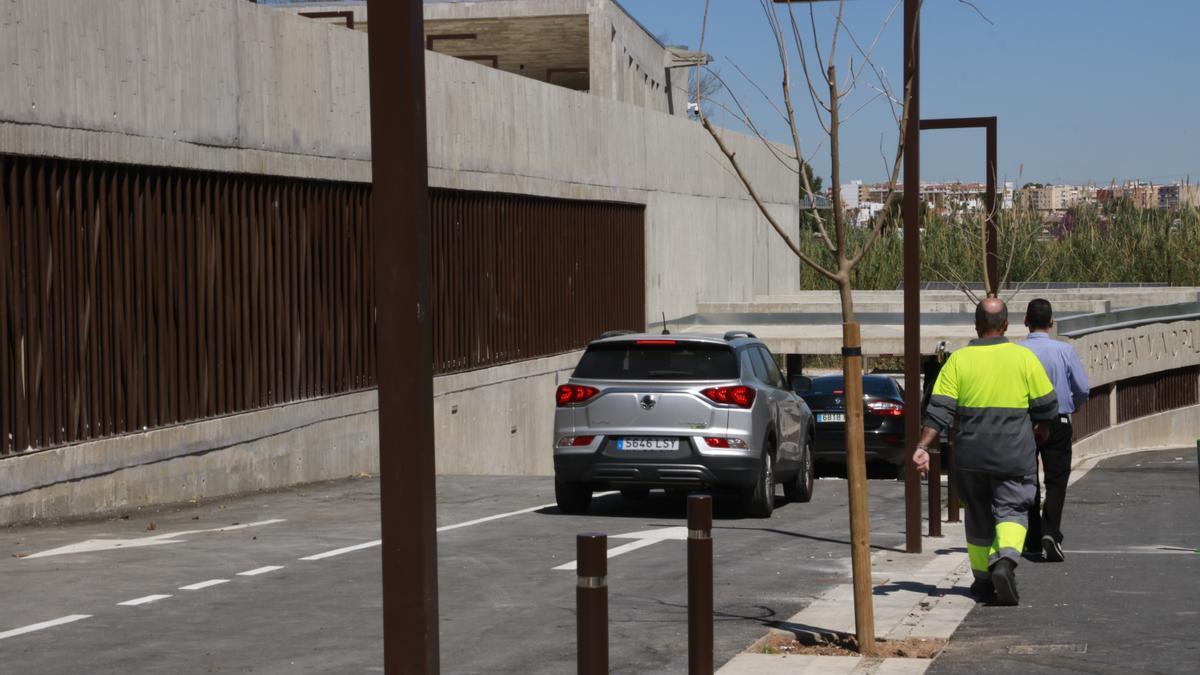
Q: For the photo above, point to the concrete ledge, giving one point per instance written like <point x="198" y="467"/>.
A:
<point x="499" y="421"/>
<point x="304" y="442"/>
<point x="1170" y="429"/>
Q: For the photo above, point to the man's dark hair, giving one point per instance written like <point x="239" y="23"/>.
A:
<point x="1039" y="315"/>
<point x="991" y="320"/>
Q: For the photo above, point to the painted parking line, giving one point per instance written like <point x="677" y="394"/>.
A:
<point x="498" y="516"/>
<point x="203" y="584"/>
<point x="260" y="570"/>
<point x="144" y="600"/>
<point x="339" y="551"/>
<point x="43" y="625"/>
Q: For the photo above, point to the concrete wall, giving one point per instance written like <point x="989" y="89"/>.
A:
<point x="315" y="440"/>
<point x="225" y="85"/>
<point x="1115" y="355"/>
<point x="1170" y="429"/>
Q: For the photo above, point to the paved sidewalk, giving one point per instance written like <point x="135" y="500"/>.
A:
<point x="916" y="596"/>
<point x="1126" y="600"/>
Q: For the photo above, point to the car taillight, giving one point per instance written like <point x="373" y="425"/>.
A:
<point x="886" y="408"/>
<point x="741" y="395"/>
<point x="572" y="394"/>
<point x="575" y="441"/>
<point x="721" y="442"/>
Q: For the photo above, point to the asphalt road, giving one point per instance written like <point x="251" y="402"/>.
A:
<point x="1127" y="597"/>
<point x="245" y="599"/>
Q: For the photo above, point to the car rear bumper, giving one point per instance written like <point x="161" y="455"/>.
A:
<point x="831" y="447"/>
<point x="685" y="473"/>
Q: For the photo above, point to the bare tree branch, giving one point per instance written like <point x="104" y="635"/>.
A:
<point x="977" y="11"/>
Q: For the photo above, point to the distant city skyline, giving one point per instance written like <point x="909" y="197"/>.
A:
<point x="1085" y="90"/>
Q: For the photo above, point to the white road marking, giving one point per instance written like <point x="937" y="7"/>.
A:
<point x="643" y="539"/>
<point x="93" y="545"/>
<point x="45" y="624"/>
<point x="260" y="570"/>
<point x="498" y="516"/>
<point x="203" y="584"/>
<point x="444" y="528"/>
<point x="144" y="600"/>
<point x="339" y="551"/>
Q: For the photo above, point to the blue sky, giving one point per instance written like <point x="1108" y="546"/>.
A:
<point x="1083" y="89"/>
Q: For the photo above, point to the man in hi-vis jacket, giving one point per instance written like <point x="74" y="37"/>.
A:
<point x="995" y="392"/>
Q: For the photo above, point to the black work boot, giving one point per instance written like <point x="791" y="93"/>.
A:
<point x="983" y="590"/>
<point x="1004" y="579"/>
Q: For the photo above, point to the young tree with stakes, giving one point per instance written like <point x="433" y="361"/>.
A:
<point x="827" y="93"/>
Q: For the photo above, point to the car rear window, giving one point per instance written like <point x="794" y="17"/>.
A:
<point x="872" y="386"/>
<point x="657" y="360"/>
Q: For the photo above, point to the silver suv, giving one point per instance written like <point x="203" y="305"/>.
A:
<point x="688" y="412"/>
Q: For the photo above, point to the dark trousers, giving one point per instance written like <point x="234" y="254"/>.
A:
<point x="1056" y="464"/>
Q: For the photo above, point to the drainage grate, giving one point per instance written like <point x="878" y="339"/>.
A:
<point x="1074" y="648"/>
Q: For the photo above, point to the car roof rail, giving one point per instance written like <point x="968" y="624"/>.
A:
<point x="736" y="333"/>
<point x="615" y="333"/>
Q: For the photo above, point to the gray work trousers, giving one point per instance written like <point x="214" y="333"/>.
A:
<point x="997" y="515"/>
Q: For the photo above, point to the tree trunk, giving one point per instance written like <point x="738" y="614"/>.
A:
<point x="856" y="474"/>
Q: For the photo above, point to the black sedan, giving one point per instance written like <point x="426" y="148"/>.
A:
<point x="883" y="419"/>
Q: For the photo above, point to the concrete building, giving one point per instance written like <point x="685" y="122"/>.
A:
<point x="585" y="45"/>
<point x="226" y="89"/>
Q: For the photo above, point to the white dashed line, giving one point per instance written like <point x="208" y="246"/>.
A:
<point x="45" y="624"/>
<point x="144" y="600"/>
<point x="339" y="551"/>
<point x="203" y="584"/>
<point x="260" y="570"/>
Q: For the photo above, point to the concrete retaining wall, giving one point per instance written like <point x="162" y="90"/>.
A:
<point x="1170" y="429"/>
<point x="317" y="440"/>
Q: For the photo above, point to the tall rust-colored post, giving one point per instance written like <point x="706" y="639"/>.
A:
<point x="591" y="603"/>
<point x="856" y="476"/>
<point x="700" y="585"/>
<point x="400" y="224"/>
<point x="990" y="203"/>
<point x="935" y="493"/>
<point x="912" y="274"/>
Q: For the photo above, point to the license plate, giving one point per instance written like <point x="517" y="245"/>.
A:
<point x="831" y="417"/>
<point x="647" y="443"/>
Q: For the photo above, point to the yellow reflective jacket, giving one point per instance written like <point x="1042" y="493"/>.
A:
<point x="993" y="390"/>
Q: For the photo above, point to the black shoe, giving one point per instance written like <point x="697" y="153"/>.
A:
<point x="1005" y="581"/>
<point x="1051" y="549"/>
<point x="983" y="590"/>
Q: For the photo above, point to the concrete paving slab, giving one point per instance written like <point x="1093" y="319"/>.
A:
<point x="754" y="664"/>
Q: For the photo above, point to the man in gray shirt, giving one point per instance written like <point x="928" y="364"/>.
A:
<point x="1070" y="382"/>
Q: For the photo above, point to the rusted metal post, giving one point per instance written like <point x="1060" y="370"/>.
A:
<point x="990" y="202"/>
<point x="912" y="274"/>
<point x="935" y="494"/>
<point x="591" y="603"/>
<point x="400" y="221"/>
<point x="951" y="493"/>
<point x="856" y="479"/>
<point x="700" y="585"/>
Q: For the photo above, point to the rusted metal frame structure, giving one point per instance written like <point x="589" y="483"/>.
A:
<point x="990" y="168"/>
<point x="400" y="217"/>
<point x="137" y="297"/>
<point x="993" y="283"/>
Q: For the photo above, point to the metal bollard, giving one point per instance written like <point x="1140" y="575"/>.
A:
<point x="591" y="603"/>
<point x="935" y="493"/>
<point x="700" y="585"/>
<point x="951" y="493"/>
